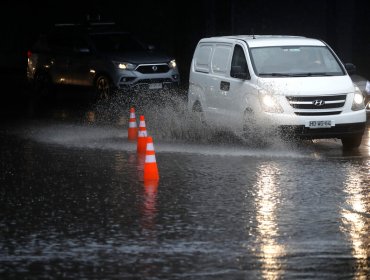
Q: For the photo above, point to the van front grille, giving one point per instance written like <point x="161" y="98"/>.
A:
<point x="318" y="113"/>
<point x="317" y="102"/>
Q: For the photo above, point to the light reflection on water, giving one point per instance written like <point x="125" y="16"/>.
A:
<point x="149" y="205"/>
<point x="368" y="139"/>
<point x="76" y="199"/>
<point x="356" y="222"/>
<point x="267" y="201"/>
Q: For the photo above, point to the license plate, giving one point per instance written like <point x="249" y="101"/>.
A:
<point x="319" y="124"/>
<point x="155" y="86"/>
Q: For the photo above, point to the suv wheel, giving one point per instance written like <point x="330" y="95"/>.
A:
<point x="42" y="85"/>
<point x="103" y="88"/>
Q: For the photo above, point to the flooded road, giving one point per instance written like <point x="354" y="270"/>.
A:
<point x="73" y="204"/>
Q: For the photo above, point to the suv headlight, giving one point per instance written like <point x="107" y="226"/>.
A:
<point x="358" y="100"/>
<point x="124" y="65"/>
<point x="269" y="103"/>
<point x="172" y="64"/>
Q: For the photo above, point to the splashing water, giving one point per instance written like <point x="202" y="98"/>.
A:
<point x="104" y="126"/>
<point x="168" y="118"/>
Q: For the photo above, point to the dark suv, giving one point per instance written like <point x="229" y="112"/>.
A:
<point x="101" y="57"/>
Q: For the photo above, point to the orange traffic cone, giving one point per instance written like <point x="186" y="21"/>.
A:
<point x="141" y="136"/>
<point x="132" y="126"/>
<point x="150" y="165"/>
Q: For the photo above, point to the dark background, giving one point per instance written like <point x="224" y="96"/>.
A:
<point x="178" y="25"/>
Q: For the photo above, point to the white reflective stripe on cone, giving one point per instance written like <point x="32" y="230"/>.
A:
<point x="142" y="123"/>
<point x="149" y="147"/>
<point x="132" y="124"/>
<point x="142" y="134"/>
<point x="132" y="115"/>
<point x="150" y="158"/>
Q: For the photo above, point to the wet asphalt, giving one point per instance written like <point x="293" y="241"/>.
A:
<point x="73" y="203"/>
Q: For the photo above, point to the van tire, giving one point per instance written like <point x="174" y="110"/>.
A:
<point x="198" y="114"/>
<point x="351" y="142"/>
<point x="249" y="124"/>
<point x="252" y="133"/>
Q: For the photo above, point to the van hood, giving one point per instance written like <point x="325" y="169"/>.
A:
<point x="139" y="57"/>
<point x="327" y="85"/>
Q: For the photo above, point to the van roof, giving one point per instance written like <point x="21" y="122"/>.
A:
<point x="268" y="40"/>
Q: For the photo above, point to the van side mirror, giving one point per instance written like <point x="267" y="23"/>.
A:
<point x="236" y="72"/>
<point x="351" y="68"/>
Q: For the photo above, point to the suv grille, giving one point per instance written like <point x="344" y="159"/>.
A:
<point x="151" y="81"/>
<point x="317" y="103"/>
<point x="153" y="68"/>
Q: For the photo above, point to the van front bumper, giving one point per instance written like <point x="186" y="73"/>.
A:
<point x="337" y="131"/>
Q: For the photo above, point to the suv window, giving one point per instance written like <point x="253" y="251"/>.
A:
<point x="116" y="42"/>
<point x="67" y="42"/>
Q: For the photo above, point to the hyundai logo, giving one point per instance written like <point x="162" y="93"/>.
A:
<point x="318" y="102"/>
<point x="155" y="68"/>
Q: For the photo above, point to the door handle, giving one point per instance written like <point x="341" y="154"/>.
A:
<point x="225" y="86"/>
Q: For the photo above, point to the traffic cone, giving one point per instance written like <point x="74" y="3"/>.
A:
<point x="132" y="126"/>
<point x="150" y="165"/>
<point x="141" y="136"/>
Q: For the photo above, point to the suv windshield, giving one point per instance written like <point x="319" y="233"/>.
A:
<point x="116" y="42"/>
<point x="296" y="61"/>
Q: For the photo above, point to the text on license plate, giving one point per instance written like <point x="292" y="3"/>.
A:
<point x="319" y="124"/>
<point x="155" y="86"/>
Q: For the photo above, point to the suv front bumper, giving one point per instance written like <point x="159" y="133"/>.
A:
<point x="150" y="84"/>
<point x="134" y="80"/>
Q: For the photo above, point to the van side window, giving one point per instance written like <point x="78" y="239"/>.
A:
<point x="221" y="59"/>
<point x="203" y="58"/>
<point x="239" y="66"/>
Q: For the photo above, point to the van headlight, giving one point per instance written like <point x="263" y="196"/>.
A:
<point x="124" y="65"/>
<point x="270" y="104"/>
<point x="358" y="100"/>
<point x="172" y="64"/>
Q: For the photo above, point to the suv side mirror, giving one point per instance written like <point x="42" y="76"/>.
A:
<point x="351" y="68"/>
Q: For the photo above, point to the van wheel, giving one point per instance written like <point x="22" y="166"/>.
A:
<point x="199" y="114"/>
<point x="249" y="124"/>
<point x="103" y="88"/>
<point x="252" y="133"/>
<point x="351" y="142"/>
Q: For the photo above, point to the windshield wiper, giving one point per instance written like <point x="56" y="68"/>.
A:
<point x="308" y="74"/>
<point x="317" y="74"/>
<point x="277" y="74"/>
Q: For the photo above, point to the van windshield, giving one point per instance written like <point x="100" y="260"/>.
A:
<point x="295" y="61"/>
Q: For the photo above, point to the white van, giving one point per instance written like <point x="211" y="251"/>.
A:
<point x="296" y="85"/>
